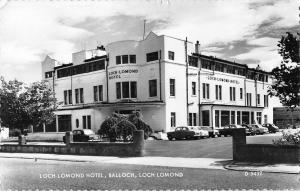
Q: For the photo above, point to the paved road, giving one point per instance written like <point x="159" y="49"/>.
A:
<point x="28" y="174"/>
<point x="220" y="147"/>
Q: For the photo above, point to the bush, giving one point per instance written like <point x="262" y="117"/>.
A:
<point x="290" y="137"/>
<point x="120" y="126"/>
<point x="124" y="130"/>
<point x="108" y="123"/>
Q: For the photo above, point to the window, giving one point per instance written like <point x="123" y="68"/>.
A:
<point x="219" y="67"/>
<point x="133" y="90"/>
<point x="258" y="99"/>
<point x="152" y="56"/>
<point x="193" y="88"/>
<point x="230" y="69"/>
<point x="205" y="88"/>
<point x="172" y="87"/>
<point x="206" y="64"/>
<point x="98" y="93"/>
<point x="118" y="90"/>
<point x="126" y="90"/>
<point x="241" y="93"/>
<point x="118" y="59"/>
<point x="171" y="55"/>
<point x="218" y="92"/>
<point x="232" y="114"/>
<point x="238" y="118"/>
<point x="205" y="118"/>
<point x="232" y="93"/>
<point x="132" y="59"/>
<point x="49" y="74"/>
<point x="249" y="98"/>
<point x="258" y="117"/>
<point x="217" y="116"/>
<point x="192" y="119"/>
<point x="173" y="119"/>
<point x="266" y="101"/>
<point x="125" y="59"/>
<point x="152" y="88"/>
<point x="193" y="61"/>
<point x="79" y="95"/>
<point x="86" y="122"/>
<point x="252" y="117"/>
<point x="67" y="97"/>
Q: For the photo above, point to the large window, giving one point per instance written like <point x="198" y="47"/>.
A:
<point x="126" y="90"/>
<point x="192" y="119"/>
<point x="225" y="118"/>
<point x="67" y="97"/>
<point x="218" y="92"/>
<point x="232" y="93"/>
<point x="132" y="59"/>
<point x="266" y="101"/>
<point x="206" y="64"/>
<point x="172" y="87"/>
<point x="252" y="117"/>
<point x="258" y="117"/>
<point x="205" y="88"/>
<point x="98" y="93"/>
<point x="124" y="59"/>
<point x="238" y="118"/>
<point x="79" y="95"/>
<point x="219" y="67"/>
<point x="152" y="88"/>
<point x="249" y="99"/>
<point x="173" y="119"/>
<point x="118" y="60"/>
<point x="232" y="115"/>
<point x="171" y="55"/>
<point x="152" y="56"/>
<point x="205" y="118"/>
<point x="193" y="88"/>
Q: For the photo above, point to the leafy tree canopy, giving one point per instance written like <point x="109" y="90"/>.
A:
<point x="287" y="76"/>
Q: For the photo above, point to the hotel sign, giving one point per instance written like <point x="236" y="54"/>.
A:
<point x="222" y="79"/>
<point x="117" y="74"/>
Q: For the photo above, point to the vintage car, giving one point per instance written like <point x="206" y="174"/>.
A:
<point x="211" y="132"/>
<point x="83" y="135"/>
<point x="185" y="132"/>
<point x="249" y="130"/>
<point x="259" y="129"/>
<point x="227" y="129"/>
<point x="271" y="127"/>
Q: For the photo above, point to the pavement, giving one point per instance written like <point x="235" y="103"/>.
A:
<point x="179" y="162"/>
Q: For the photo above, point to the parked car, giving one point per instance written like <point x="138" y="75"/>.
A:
<point x="259" y="129"/>
<point x="185" y="132"/>
<point x="249" y="130"/>
<point x="211" y="132"/>
<point x="83" y="135"/>
<point x="271" y="127"/>
<point x="227" y="129"/>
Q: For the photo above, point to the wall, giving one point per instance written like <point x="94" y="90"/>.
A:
<point x="134" y="149"/>
<point x="262" y="152"/>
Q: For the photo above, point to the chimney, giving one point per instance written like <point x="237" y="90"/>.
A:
<point x="197" y="47"/>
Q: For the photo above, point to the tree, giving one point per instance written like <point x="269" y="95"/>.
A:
<point x="13" y="113"/>
<point x="40" y="104"/>
<point x="22" y="106"/>
<point x="286" y="82"/>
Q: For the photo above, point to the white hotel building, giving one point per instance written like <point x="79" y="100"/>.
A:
<point x="164" y="78"/>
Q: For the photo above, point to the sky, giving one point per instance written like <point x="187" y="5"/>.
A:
<point x="245" y="31"/>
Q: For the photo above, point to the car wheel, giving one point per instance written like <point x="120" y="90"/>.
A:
<point x="188" y="138"/>
<point x="170" y="138"/>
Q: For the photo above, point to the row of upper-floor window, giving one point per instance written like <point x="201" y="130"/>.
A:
<point x="80" y="69"/>
<point x="79" y="95"/>
<point x="227" y="68"/>
<point x="232" y="94"/>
